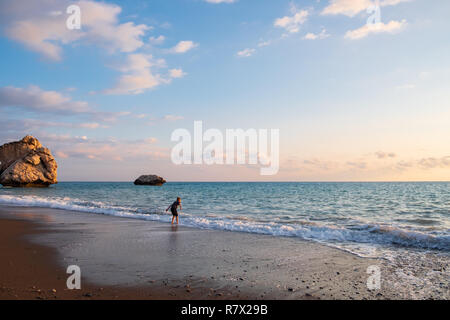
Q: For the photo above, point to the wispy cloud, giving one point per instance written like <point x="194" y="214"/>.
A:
<point x="53" y="103"/>
<point x="176" y="73"/>
<point x="312" y="36"/>
<point x="391" y="27"/>
<point x="138" y="75"/>
<point x="246" y="52"/>
<point x="35" y="99"/>
<point x="346" y="7"/>
<point x="292" y="22"/>
<point x="157" y="40"/>
<point x="351" y="8"/>
<point x="264" y="43"/>
<point x="431" y="162"/>
<point x="171" y="117"/>
<point x="384" y="155"/>
<point x="110" y="149"/>
<point x="184" y="46"/>
<point x="220" y="1"/>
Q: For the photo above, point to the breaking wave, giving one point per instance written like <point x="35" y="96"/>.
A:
<point x="361" y="233"/>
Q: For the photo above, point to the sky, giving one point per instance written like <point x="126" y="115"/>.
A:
<point x="357" y="94"/>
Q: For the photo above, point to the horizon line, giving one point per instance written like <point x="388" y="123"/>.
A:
<point x="277" y="181"/>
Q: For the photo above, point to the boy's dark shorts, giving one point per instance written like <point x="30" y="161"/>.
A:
<point x="174" y="213"/>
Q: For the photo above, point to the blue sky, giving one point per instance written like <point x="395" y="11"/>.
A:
<point x="350" y="103"/>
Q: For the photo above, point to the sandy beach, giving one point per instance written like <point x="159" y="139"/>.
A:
<point x="130" y="259"/>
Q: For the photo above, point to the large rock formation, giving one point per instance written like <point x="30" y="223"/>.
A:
<point x="26" y="163"/>
<point x="149" y="180"/>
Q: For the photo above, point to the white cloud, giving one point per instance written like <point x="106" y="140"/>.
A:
<point x="220" y="1"/>
<point x="138" y="75"/>
<point x="35" y="99"/>
<point x="139" y="61"/>
<point x="353" y="7"/>
<point x="31" y="24"/>
<point x="292" y="23"/>
<point x="347" y="7"/>
<point x="364" y="31"/>
<point x="183" y="46"/>
<point x="176" y="73"/>
<point x="157" y="40"/>
<point x="246" y="52"/>
<point x="311" y="36"/>
<point x="171" y="117"/>
<point x="264" y="43"/>
<point x="101" y="22"/>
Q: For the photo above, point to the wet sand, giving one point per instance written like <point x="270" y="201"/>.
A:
<point x="29" y="271"/>
<point x="132" y="259"/>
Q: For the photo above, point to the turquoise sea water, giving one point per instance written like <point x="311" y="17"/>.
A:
<point x="369" y="219"/>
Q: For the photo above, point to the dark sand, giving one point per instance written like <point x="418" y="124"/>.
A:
<point x="30" y="271"/>
<point x="132" y="259"/>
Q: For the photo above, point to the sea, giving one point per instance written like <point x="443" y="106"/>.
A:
<point x="369" y="219"/>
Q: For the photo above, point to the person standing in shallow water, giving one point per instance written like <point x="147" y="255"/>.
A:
<point x="173" y="208"/>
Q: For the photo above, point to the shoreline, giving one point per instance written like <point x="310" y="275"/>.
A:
<point x="30" y="271"/>
<point x="125" y="258"/>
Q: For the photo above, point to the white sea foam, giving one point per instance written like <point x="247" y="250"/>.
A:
<point x="356" y="239"/>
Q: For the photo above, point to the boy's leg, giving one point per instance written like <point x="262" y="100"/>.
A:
<point x="173" y="218"/>
<point x="177" y="219"/>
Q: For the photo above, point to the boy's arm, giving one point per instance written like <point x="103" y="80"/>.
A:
<point x="168" y="208"/>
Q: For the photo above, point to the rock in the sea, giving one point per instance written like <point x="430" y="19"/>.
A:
<point x="10" y="152"/>
<point x="26" y="163"/>
<point x="149" y="180"/>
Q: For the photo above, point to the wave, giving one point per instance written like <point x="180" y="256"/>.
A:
<point x="363" y="233"/>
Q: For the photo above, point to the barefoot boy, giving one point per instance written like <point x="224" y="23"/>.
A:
<point x="173" y="208"/>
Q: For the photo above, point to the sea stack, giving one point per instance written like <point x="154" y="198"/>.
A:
<point x="26" y="163"/>
<point x="149" y="180"/>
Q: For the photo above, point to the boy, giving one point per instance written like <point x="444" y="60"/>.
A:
<point x="173" y="207"/>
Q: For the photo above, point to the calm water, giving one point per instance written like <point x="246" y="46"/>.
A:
<point x="369" y="219"/>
